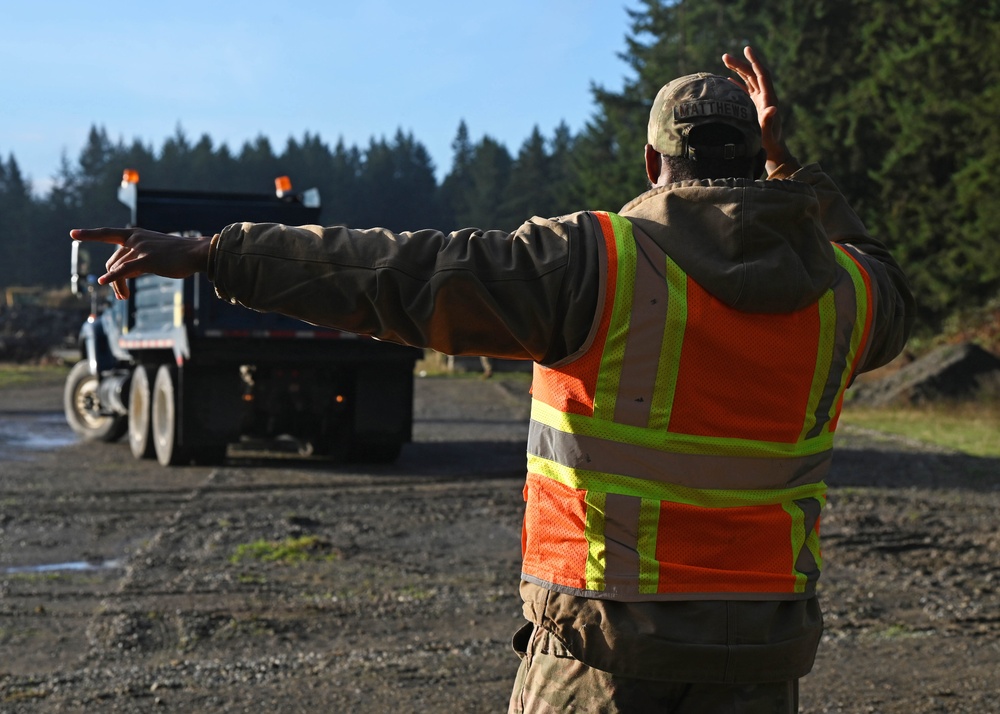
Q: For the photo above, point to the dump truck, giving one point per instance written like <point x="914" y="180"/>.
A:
<point x="186" y="375"/>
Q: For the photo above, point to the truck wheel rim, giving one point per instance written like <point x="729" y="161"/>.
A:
<point x="87" y="404"/>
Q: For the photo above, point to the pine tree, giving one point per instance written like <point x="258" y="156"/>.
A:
<point x="474" y="192"/>
<point x="563" y="183"/>
<point x="398" y="185"/>
<point x="935" y="175"/>
<point x="668" y="39"/>
<point x="529" y="191"/>
<point x="454" y="193"/>
<point x="17" y="255"/>
<point x="489" y="175"/>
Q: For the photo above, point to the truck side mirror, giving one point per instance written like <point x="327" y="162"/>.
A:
<point x="81" y="281"/>
<point x="76" y="269"/>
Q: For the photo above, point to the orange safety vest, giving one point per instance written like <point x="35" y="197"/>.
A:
<point x="682" y="455"/>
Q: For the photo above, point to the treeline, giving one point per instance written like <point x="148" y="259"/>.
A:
<point x="893" y="98"/>
<point x="389" y="183"/>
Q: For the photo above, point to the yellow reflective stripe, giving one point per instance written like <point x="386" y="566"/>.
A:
<point x="593" y="481"/>
<point x="674" y="442"/>
<point x="860" y="324"/>
<point x="824" y="358"/>
<point x="670" y="349"/>
<point x="594" y="533"/>
<point x="649" y="566"/>
<point x="609" y="376"/>
<point x="798" y="535"/>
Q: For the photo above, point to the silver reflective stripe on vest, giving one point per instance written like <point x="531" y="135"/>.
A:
<point x="683" y="469"/>
<point x="647" y="323"/>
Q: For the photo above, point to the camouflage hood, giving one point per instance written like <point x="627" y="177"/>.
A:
<point x="758" y="246"/>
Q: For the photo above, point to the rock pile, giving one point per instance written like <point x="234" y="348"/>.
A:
<point x="953" y="373"/>
<point x="30" y="333"/>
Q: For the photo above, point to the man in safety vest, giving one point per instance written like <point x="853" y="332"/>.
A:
<point x="692" y="353"/>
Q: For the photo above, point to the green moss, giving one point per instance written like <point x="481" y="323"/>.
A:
<point x="288" y="551"/>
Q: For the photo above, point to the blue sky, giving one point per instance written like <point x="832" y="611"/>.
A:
<point x="351" y="70"/>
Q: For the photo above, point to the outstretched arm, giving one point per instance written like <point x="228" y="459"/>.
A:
<point x="141" y="251"/>
<point x="756" y="79"/>
<point x="526" y="295"/>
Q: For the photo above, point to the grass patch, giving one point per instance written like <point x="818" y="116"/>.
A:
<point x="969" y="428"/>
<point x="18" y="375"/>
<point x="24" y="695"/>
<point x="288" y="551"/>
<point x="899" y="632"/>
<point x="35" y="577"/>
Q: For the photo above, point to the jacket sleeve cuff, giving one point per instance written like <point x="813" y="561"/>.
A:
<point x="213" y="250"/>
<point x="784" y="171"/>
<point x="216" y="262"/>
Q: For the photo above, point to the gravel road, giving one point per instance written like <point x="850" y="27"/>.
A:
<point x="127" y="587"/>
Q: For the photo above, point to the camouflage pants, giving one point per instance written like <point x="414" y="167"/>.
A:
<point x="550" y="681"/>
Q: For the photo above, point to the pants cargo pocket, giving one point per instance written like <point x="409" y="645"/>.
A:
<point x="519" y="642"/>
<point x="545" y="682"/>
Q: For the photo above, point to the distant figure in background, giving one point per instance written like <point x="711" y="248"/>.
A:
<point x="484" y="361"/>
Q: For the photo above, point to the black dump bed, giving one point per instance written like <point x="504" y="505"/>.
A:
<point x="208" y="212"/>
<point x="155" y="299"/>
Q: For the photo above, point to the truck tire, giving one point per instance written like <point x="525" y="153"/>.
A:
<point x="172" y="446"/>
<point x="82" y="406"/>
<point x="163" y="421"/>
<point x="140" y="439"/>
<point x="334" y="438"/>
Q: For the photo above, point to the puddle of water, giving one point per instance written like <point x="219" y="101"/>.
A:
<point x="35" y="432"/>
<point x="76" y="565"/>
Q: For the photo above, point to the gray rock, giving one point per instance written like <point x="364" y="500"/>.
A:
<point x="953" y="373"/>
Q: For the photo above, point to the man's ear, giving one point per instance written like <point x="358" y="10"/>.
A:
<point x="653" y="164"/>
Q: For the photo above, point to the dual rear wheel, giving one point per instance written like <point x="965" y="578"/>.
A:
<point x="210" y="400"/>
<point x="154" y="424"/>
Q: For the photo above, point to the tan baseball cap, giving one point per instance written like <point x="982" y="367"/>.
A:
<point x="698" y="99"/>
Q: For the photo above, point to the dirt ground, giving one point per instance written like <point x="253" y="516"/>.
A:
<point x="127" y="587"/>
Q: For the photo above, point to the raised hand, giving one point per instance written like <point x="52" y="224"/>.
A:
<point x="756" y="79"/>
<point x="141" y="251"/>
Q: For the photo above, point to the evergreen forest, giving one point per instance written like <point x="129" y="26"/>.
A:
<point x="894" y="98"/>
